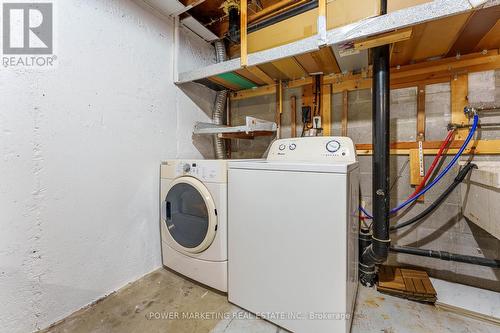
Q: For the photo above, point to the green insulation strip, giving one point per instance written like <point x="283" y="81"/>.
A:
<point x="237" y="80"/>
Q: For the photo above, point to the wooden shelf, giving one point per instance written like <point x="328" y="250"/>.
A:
<point x="243" y="135"/>
<point x="428" y="30"/>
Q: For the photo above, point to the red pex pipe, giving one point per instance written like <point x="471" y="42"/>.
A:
<point x="445" y="143"/>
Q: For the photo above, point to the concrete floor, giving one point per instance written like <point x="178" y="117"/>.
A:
<point x="153" y="303"/>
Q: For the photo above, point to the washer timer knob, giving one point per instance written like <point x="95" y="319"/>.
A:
<point x="332" y="146"/>
<point x="292" y="146"/>
<point x="186" y="167"/>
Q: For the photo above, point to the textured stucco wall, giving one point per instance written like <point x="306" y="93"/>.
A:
<point x="445" y="229"/>
<point x="80" y="150"/>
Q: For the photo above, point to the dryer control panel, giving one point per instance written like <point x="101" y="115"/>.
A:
<point x="205" y="170"/>
<point x="313" y="149"/>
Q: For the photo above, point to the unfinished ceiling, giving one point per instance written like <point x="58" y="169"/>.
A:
<point x="213" y="17"/>
<point x="448" y="37"/>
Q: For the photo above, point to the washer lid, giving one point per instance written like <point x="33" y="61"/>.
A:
<point x="340" y="167"/>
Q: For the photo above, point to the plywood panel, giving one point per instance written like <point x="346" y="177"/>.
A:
<point x="260" y="74"/>
<point x="393" y="5"/>
<point x="429" y="40"/>
<point x="491" y="40"/>
<point x="244" y="72"/>
<point x="478" y="25"/>
<point x="290" y="67"/>
<point x="326" y="60"/>
<point x="343" y="12"/>
<point x="339" y="13"/>
<point x="284" y="32"/>
<point x="308" y="63"/>
<point x="273" y="72"/>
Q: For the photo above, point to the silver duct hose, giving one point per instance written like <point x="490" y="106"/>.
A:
<point x="219" y="105"/>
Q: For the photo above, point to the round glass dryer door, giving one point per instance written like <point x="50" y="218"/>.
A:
<point x="190" y="214"/>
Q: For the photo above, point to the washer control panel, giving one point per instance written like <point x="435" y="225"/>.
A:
<point x="314" y="149"/>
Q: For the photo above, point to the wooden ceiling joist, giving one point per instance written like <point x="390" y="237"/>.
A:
<point x="290" y="68"/>
<point x="491" y="40"/>
<point x="477" y="26"/>
<point x="260" y="74"/>
<point x="428" y="72"/>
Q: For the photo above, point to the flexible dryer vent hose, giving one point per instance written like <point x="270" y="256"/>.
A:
<point x="219" y="105"/>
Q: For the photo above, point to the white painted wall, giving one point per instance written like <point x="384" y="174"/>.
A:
<point x="80" y="149"/>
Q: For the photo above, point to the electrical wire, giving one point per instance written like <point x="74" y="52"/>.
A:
<point x="439" y="177"/>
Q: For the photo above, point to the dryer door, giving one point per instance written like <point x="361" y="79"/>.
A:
<point x="188" y="212"/>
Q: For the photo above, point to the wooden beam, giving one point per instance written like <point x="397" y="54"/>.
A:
<point x="428" y="72"/>
<point x="480" y="147"/>
<point x="224" y="83"/>
<point x="415" y="177"/>
<point x="345" y="110"/>
<point x="254" y="92"/>
<point x="421" y="112"/>
<point x="322" y="22"/>
<point x="384" y="39"/>
<point x="293" y="116"/>
<point x="459" y="91"/>
<point x="326" y="109"/>
<point x="279" y="108"/>
<point x="243" y="135"/>
<point x="243" y="34"/>
<point x="261" y="74"/>
<point x="290" y="67"/>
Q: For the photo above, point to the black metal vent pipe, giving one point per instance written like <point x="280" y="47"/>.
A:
<point x="378" y="251"/>
<point x="234" y="24"/>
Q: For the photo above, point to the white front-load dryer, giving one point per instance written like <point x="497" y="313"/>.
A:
<point x="194" y="220"/>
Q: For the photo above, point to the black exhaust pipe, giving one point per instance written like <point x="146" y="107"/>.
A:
<point x="378" y="251"/>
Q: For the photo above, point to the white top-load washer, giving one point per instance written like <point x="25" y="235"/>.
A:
<point x="293" y="234"/>
<point x="194" y="219"/>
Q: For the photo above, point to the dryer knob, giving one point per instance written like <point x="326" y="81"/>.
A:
<point x="186" y="167"/>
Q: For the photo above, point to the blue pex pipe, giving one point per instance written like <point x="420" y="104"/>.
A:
<point x="439" y="177"/>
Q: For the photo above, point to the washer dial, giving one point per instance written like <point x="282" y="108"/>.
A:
<point x="332" y="146"/>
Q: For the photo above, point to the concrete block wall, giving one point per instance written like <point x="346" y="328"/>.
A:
<point x="446" y="229"/>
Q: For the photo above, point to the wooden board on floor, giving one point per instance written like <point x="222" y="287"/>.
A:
<point x="407" y="283"/>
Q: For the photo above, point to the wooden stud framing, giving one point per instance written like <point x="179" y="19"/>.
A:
<point x="459" y="91"/>
<point x="293" y="116"/>
<point x="416" y="159"/>
<point x="279" y="108"/>
<point x="243" y="34"/>
<point x="326" y="109"/>
<point x="421" y="112"/>
<point x="345" y="110"/>
<point x="415" y="177"/>
<point x="322" y="22"/>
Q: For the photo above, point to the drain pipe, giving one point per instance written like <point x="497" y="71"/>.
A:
<point x="377" y="252"/>
<point x="219" y="105"/>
